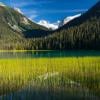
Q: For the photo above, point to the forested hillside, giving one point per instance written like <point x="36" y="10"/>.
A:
<point x="80" y="33"/>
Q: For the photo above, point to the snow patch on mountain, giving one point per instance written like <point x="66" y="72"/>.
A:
<point x="15" y="27"/>
<point x="68" y="19"/>
<point x="18" y="10"/>
<point x="25" y="21"/>
<point x="49" y="25"/>
<point x="57" y="24"/>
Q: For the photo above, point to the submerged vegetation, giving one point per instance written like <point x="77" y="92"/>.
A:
<point x="70" y="75"/>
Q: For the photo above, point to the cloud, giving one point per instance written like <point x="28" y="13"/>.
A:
<point x="49" y="25"/>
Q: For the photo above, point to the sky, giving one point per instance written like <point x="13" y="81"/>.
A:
<point x="50" y="10"/>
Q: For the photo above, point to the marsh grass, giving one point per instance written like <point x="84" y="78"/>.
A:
<point x="51" y="75"/>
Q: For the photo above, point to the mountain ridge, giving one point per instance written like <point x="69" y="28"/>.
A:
<point x="17" y="20"/>
<point x="68" y="19"/>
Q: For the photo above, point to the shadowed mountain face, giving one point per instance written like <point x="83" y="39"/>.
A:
<point x="80" y="33"/>
<point x="16" y="22"/>
<point x="15" y="29"/>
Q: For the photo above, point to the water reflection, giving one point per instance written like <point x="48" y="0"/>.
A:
<point x="37" y="54"/>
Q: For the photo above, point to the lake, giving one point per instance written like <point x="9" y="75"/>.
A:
<point x="38" y="54"/>
<point x="50" y="75"/>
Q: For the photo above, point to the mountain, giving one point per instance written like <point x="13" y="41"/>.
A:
<point x="52" y="26"/>
<point x="58" y="24"/>
<point x="15" y="27"/>
<point x="80" y="33"/>
<point x="18" y="22"/>
<point x="68" y="19"/>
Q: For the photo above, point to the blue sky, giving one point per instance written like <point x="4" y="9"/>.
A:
<point x="50" y="10"/>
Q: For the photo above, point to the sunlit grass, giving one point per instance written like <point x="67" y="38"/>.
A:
<point x="18" y="73"/>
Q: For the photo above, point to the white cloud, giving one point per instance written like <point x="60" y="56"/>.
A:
<point x="49" y="25"/>
<point x="18" y="10"/>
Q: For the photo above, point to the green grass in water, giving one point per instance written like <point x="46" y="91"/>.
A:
<point x="17" y="74"/>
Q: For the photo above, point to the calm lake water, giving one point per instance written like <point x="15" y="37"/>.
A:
<point x="42" y="54"/>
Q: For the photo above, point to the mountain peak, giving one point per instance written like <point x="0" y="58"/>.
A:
<point x="68" y="19"/>
<point x="49" y="25"/>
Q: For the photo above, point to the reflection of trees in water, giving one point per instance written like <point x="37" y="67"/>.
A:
<point x="34" y="54"/>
